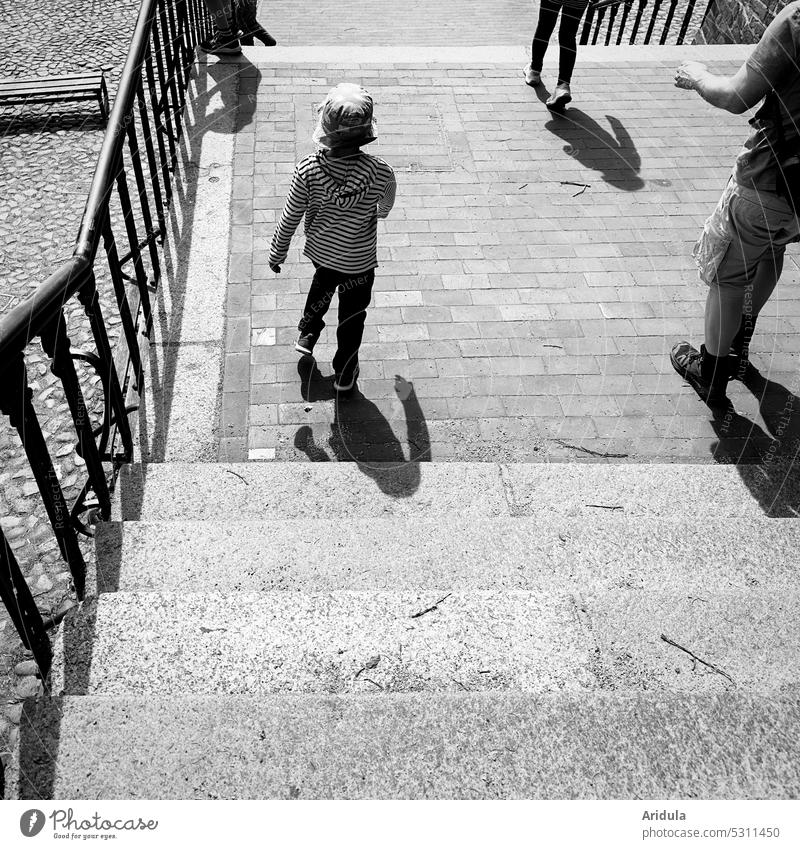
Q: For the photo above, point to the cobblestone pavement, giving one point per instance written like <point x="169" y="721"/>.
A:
<point x="47" y="158"/>
<point x="533" y="275"/>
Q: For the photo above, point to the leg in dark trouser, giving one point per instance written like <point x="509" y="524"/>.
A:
<point x="319" y="299"/>
<point x="567" y="42"/>
<point x="354" y="297"/>
<point x="548" y="15"/>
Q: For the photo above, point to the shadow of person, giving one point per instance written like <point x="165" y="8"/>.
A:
<point x="779" y="408"/>
<point x="614" y="156"/>
<point x="313" y="386"/>
<point x="241" y="100"/>
<point x="361" y="434"/>
<point x="766" y="462"/>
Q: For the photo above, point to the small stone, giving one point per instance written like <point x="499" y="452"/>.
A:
<point x="44" y="584"/>
<point x="26" y="667"/>
<point x="14" y="713"/>
<point x="27" y="687"/>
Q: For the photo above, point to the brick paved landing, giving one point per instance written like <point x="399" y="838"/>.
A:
<point x="533" y="275"/>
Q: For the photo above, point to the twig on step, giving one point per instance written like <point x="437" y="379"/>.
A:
<point x="588" y="450"/>
<point x="716" y="669"/>
<point x="570" y="183"/>
<point x="373" y="682"/>
<point x="236" y="474"/>
<point x="370" y="664"/>
<point x="430" y="609"/>
<point x="607" y="506"/>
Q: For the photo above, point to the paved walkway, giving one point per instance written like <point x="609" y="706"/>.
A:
<point x="533" y="275"/>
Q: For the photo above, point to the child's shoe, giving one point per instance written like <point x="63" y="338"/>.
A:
<point x="264" y="37"/>
<point x="305" y="344"/>
<point x="222" y="45"/>
<point x="345" y="381"/>
<point x="532" y="77"/>
<point x="559" y="98"/>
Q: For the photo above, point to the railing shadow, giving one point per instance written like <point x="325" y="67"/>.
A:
<point x="40" y="725"/>
<point x="235" y="113"/>
<point x="361" y="434"/>
<point x="588" y="142"/>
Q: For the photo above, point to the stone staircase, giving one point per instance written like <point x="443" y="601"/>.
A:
<point x="431" y="631"/>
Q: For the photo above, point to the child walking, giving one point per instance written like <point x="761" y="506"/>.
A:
<point x="342" y="192"/>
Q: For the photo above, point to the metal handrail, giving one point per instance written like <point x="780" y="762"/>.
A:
<point x="140" y="144"/>
<point x="607" y="21"/>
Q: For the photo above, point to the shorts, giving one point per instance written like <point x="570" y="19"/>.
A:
<point x="747" y="228"/>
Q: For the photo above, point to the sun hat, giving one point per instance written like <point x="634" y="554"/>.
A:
<point x="345" y="117"/>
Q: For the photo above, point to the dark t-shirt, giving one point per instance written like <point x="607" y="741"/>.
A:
<point x="777" y="58"/>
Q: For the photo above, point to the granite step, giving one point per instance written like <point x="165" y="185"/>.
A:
<point x="433" y="641"/>
<point x="591" y="745"/>
<point x="544" y="553"/>
<point x="263" y="491"/>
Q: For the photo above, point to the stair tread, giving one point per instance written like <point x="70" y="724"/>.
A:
<point x="493" y="639"/>
<point x="499" y="745"/>
<point x="548" y="551"/>
<point x="267" y="490"/>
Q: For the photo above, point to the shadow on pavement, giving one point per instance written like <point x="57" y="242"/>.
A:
<point x="614" y="156"/>
<point x="766" y="461"/>
<point x="361" y="434"/>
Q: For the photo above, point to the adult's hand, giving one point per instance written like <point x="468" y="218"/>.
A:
<point x="689" y="74"/>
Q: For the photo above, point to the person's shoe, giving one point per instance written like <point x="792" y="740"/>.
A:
<point x="688" y="362"/>
<point x="559" y="98"/>
<point x="246" y="40"/>
<point x="532" y="77"/>
<point x="222" y="45"/>
<point x="346" y="381"/>
<point x="305" y="344"/>
<point x="264" y="37"/>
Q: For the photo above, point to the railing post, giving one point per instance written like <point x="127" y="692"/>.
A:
<point x="653" y="16"/>
<point x="638" y="20"/>
<point x="21" y="606"/>
<point x="587" y="24"/>
<point x="668" y="22"/>
<point x="115" y="412"/>
<point x="55" y="343"/>
<point x="16" y="403"/>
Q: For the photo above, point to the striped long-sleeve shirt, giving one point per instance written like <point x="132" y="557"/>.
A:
<point x="342" y="200"/>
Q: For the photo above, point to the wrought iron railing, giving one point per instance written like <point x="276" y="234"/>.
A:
<point x="126" y="216"/>
<point x="643" y="21"/>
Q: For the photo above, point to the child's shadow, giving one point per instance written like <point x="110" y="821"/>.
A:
<point x="361" y="434"/>
<point x="615" y="156"/>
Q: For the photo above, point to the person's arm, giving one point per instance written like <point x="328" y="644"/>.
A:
<point x="292" y="215"/>
<point x="386" y="203"/>
<point x="770" y="65"/>
<point x="734" y="94"/>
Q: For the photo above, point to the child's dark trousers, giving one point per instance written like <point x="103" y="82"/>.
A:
<point x="355" y="292"/>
